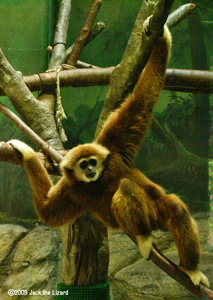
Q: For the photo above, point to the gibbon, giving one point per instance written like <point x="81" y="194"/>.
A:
<point x="100" y="178"/>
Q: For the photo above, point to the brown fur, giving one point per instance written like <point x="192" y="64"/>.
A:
<point x="121" y="196"/>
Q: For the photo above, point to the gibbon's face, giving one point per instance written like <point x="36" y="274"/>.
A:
<point x="89" y="168"/>
<point x="86" y="162"/>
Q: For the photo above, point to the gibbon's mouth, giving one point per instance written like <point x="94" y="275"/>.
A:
<point x="91" y="175"/>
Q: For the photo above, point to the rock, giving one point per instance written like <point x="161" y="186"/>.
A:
<point x="33" y="264"/>
<point x="33" y="278"/>
<point x="123" y="252"/>
<point x="40" y="244"/>
<point x="9" y="236"/>
<point x="145" y="281"/>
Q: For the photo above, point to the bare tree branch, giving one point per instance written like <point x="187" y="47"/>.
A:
<point x="81" y="64"/>
<point x="84" y="33"/>
<point x="191" y="81"/>
<point x="30" y="133"/>
<point x="75" y="78"/>
<point x="95" y="31"/>
<point x="180" y="14"/>
<point x="39" y="114"/>
<point x="194" y="81"/>
<point x="60" y="38"/>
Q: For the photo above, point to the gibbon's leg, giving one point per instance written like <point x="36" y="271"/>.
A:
<point x="139" y="211"/>
<point x="130" y="208"/>
<point x="52" y="203"/>
<point x="185" y="234"/>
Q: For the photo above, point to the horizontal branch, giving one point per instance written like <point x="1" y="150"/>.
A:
<point x="194" y="81"/>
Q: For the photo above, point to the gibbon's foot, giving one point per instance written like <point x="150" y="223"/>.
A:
<point x="197" y="277"/>
<point x="146" y="26"/>
<point x="145" y="245"/>
<point x="21" y="147"/>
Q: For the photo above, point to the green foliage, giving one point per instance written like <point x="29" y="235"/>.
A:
<point x="81" y="127"/>
<point x="178" y="115"/>
<point x="205" y="6"/>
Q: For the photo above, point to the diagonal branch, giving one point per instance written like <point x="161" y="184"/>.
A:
<point x="30" y="133"/>
<point x="95" y="31"/>
<point x="84" y="33"/>
<point x="201" y="291"/>
<point x="180" y="14"/>
<point x="39" y="114"/>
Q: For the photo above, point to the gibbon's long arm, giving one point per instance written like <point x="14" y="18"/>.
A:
<point x="123" y="130"/>
<point x="53" y="204"/>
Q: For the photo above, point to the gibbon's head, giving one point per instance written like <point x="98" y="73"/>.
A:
<point x="86" y="162"/>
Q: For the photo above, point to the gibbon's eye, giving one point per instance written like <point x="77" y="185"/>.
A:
<point x="93" y="162"/>
<point x="83" y="164"/>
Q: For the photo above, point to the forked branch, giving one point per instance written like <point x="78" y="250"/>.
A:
<point x="84" y="33"/>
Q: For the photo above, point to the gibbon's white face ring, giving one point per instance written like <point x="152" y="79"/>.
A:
<point x="88" y="168"/>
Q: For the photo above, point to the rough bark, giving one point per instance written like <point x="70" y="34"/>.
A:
<point x="38" y="115"/>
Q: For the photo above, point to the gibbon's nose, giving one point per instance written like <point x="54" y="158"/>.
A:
<point x="90" y="172"/>
<point x="91" y="169"/>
